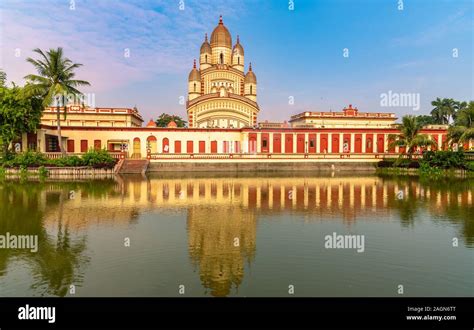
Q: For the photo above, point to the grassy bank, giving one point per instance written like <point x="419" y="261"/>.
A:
<point x="433" y="164"/>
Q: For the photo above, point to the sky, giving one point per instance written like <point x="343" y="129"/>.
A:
<point x="308" y="55"/>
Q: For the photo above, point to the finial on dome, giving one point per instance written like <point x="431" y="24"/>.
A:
<point x="205" y="37"/>
<point x="238" y="39"/>
<point x="220" y="20"/>
<point x="250" y="66"/>
<point x="194" y="65"/>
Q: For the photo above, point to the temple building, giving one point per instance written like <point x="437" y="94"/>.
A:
<point x="220" y="93"/>
<point x="222" y="114"/>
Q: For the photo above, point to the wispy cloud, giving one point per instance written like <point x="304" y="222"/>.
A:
<point x="458" y="22"/>
<point x="159" y="37"/>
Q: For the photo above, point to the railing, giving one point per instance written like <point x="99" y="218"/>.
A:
<point x="329" y="156"/>
<point x="56" y="155"/>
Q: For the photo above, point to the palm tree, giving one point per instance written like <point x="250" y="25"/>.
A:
<point x="444" y="110"/>
<point x="410" y="136"/>
<point x="463" y="129"/>
<point x="3" y="78"/>
<point x="55" y="80"/>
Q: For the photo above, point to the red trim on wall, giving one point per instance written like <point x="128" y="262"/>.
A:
<point x="277" y="143"/>
<point x="289" y="143"/>
<point x="213" y="147"/>
<point x="177" y="147"/>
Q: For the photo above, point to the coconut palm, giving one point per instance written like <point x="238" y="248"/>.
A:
<point x="410" y="136"/>
<point x="3" y="78"/>
<point x="444" y="110"/>
<point x="55" y="80"/>
<point x="463" y="129"/>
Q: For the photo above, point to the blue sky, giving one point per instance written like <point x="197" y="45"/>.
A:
<point x="295" y="54"/>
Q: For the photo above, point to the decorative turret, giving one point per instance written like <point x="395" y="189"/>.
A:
<point x="221" y="44"/>
<point x="194" y="83"/>
<point x="250" y="84"/>
<point x="205" y="56"/>
<point x="238" y="56"/>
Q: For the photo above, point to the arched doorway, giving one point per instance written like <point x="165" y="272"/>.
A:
<point x="151" y="144"/>
<point x="166" y="145"/>
<point x="136" y="148"/>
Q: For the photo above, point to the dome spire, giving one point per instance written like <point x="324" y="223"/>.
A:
<point x="194" y="65"/>
<point x="220" y="20"/>
<point x="238" y="39"/>
<point x="205" y="37"/>
<point x="250" y="66"/>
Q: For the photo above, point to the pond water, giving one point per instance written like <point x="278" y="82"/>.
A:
<point x="246" y="235"/>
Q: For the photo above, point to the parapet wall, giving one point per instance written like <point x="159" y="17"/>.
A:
<point x="368" y="167"/>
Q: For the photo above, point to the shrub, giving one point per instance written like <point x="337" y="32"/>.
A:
<point x="27" y="159"/>
<point x="42" y="172"/>
<point x="444" y="159"/>
<point x="469" y="166"/>
<point x="68" y="161"/>
<point x="98" y="159"/>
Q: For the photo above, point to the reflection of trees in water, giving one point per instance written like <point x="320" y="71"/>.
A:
<point x="212" y="235"/>
<point x="60" y="257"/>
<point x="455" y="212"/>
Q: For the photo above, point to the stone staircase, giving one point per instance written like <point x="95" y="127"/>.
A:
<point x="134" y="166"/>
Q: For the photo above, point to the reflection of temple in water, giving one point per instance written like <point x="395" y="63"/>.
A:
<point x="220" y="242"/>
<point x="221" y="210"/>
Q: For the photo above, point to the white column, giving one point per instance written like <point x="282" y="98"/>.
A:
<point x="295" y="138"/>
<point x="329" y="143"/>
<point x="318" y="143"/>
<point x="270" y="143"/>
<point x="341" y="142"/>
<point x="364" y="142"/>
<point x="352" y="142"/>
<point x="259" y="142"/>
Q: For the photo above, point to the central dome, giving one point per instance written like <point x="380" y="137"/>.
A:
<point x="220" y="37"/>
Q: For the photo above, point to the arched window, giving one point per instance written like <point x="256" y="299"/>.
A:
<point x="238" y="59"/>
<point x="205" y="58"/>
<point x="222" y="58"/>
<point x="250" y="89"/>
<point x="194" y="86"/>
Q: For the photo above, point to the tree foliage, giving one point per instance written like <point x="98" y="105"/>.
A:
<point x="410" y="136"/>
<point x="19" y="113"/>
<point x="463" y="128"/>
<point x="164" y="119"/>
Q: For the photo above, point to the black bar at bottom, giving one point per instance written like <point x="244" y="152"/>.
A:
<point x="214" y="313"/>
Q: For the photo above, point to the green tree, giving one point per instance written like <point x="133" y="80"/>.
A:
<point x="425" y="120"/>
<point x="463" y="129"/>
<point x="19" y="113"/>
<point x="444" y="110"/>
<point x="164" y="119"/>
<point x="410" y="136"/>
<point x="55" y="81"/>
<point x="3" y="78"/>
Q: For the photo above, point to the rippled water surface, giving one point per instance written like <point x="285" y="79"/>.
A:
<point x="239" y="236"/>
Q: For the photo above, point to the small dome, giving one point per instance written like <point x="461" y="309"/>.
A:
<point x="172" y="124"/>
<point x="220" y="37"/>
<point x="250" y="77"/>
<point x="238" y="49"/>
<point x="151" y="123"/>
<point x="205" y="47"/>
<point x="194" y="75"/>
